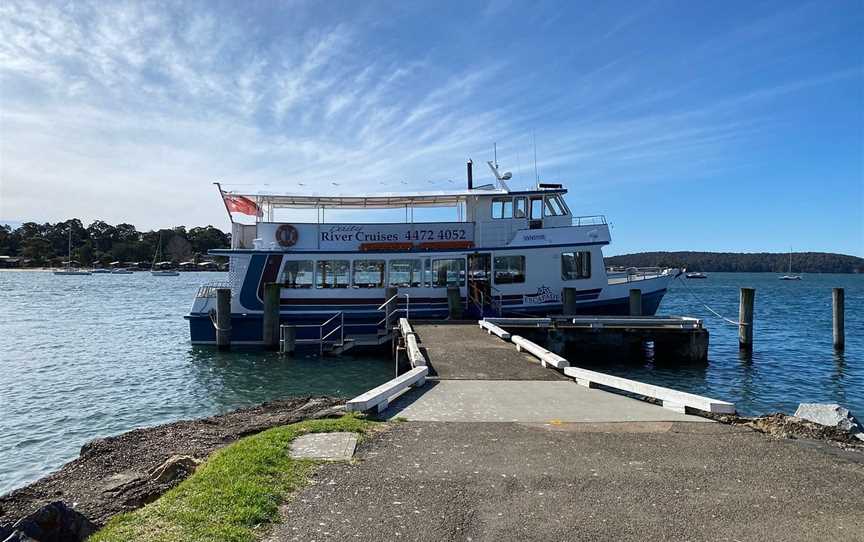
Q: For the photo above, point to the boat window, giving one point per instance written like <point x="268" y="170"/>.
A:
<point x="552" y="207"/>
<point x="502" y="208"/>
<point x="450" y="272"/>
<point x="298" y="274"/>
<point x="332" y="274"/>
<point x="427" y="272"/>
<point x="406" y="273"/>
<point x="368" y="273"/>
<point x="509" y="269"/>
<point x="537" y="208"/>
<point x="575" y="265"/>
<point x="563" y="204"/>
<point x="521" y="208"/>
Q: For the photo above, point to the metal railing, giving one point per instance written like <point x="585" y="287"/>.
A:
<point x="591" y="220"/>
<point x="208" y="289"/>
<point x="322" y="338"/>
<point x="388" y="314"/>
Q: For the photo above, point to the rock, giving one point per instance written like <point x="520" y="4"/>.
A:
<point x="54" y="522"/>
<point x="176" y="467"/>
<point x="832" y="415"/>
<point x="332" y="412"/>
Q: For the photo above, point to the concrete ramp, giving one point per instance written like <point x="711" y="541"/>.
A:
<point x="529" y="401"/>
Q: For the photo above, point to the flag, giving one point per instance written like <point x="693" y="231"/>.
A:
<point x="240" y="204"/>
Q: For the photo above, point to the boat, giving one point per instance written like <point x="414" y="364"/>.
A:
<point x="789" y="275"/>
<point x="69" y="270"/>
<point x="121" y="271"/>
<point x="100" y="271"/>
<point x="696" y="275"/>
<point x="160" y="269"/>
<point x="508" y="253"/>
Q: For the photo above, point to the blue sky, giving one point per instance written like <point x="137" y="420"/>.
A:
<point x="733" y="126"/>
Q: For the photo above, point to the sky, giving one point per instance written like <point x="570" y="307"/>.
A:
<point x="722" y="126"/>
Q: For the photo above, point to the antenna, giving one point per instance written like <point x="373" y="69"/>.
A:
<point x="495" y="152"/>
<point x="536" y="173"/>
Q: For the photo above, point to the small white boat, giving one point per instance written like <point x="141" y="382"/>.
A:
<point x="100" y="272"/>
<point x="158" y="268"/>
<point x="121" y="272"/>
<point x="69" y="270"/>
<point x="790" y="276"/>
<point x="696" y="275"/>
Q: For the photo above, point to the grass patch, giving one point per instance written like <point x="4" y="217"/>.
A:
<point x="236" y="490"/>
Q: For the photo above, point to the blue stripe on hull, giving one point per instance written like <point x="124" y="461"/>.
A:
<point x="247" y="328"/>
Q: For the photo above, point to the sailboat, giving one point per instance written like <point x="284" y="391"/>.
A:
<point x="790" y="276"/>
<point x="69" y="270"/>
<point x="154" y="269"/>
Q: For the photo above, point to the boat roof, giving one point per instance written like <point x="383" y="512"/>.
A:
<point x="383" y="200"/>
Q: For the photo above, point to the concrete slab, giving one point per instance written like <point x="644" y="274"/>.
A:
<point x="524" y="401"/>
<point x="324" y="446"/>
<point x="467" y="352"/>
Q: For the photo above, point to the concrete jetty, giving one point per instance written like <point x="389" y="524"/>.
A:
<point x="493" y="446"/>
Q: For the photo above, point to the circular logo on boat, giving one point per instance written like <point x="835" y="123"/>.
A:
<point x="286" y="235"/>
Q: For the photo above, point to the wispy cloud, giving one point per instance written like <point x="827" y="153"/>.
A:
<point x="143" y="105"/>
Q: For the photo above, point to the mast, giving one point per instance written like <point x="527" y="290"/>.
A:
<point x="69" y="257"/>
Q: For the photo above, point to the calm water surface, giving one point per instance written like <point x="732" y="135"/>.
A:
<point x="85" y="357"/>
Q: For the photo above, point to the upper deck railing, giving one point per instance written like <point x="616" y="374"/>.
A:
<point x="591" y="220"/>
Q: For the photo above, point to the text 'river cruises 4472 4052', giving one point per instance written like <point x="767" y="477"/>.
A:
<point x="509" y="253"/>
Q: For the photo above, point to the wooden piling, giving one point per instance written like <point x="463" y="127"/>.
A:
<point x="223" y="318"/>
<point x="569" y="298"/>
<point x="288" y="339"/>
<point x="839" y="298"/>
<point x="635" y="302"/>
<point x="454" y="302"/>
<point x="270" y="318"/>
<point x="745" y="318"/>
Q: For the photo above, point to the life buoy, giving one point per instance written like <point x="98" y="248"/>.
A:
<point x="286" y="235"/>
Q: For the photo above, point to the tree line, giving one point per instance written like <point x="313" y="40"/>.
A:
<point x="101" y="243"/>
<point x="802" y="262"/>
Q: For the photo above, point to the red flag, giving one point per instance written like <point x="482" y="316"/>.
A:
<point x="239" y="204"/>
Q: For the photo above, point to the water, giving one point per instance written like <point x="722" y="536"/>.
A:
<point x="793" y="359"/>
<point x="85" y="357"/>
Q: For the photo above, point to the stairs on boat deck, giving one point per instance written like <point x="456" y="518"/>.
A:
<point x="366" y="339"/>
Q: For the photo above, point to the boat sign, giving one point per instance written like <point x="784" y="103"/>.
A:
<point x="339" y="237"/>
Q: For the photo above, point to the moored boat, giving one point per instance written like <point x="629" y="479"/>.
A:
<point x="508" y="253"/>
<point x="696" y="275"/>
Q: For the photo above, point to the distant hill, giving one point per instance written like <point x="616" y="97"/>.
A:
<point x="802" y="262"/>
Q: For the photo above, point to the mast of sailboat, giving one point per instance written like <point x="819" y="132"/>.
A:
<point x="69" y="257"/>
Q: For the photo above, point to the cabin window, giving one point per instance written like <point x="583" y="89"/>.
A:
<point x="502" y="208"/>
<point x="298" y="274"/>
<point x="406" y="273"/>
<point x="368" y="273"/>
<point x="521" y="208"/>
<point x="575" y="265"/>
<point x="333" y="274"/>
<point x="450" y="272"/>
<point x="427" y="272"/>
<point x="536" y="208"/>
<point x="553" y="207"/>
<point x="509" y="269"/>
<point x="563" y="204"/>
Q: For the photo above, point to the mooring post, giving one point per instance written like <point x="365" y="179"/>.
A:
<point x="745" y="318"/>
<point x="288" y="339"/>
<point x="454" y="302"/>
<point x="223" y="318"/>
<point x="839" y="307"/>
<point x="569" y="297"/>
<point x="270" y="318"/>
<point x="635" y="302"/>
<point x="390" y="306"/>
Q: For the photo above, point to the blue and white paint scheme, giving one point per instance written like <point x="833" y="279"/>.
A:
<point x="509" y="253"/>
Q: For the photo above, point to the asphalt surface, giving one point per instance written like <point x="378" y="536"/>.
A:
<point x="466" y="352"/>
<point x="585" y="481"/>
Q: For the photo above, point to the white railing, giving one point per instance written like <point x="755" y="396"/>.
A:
<point x="388" y="313"/>
<point x="208" y="289"/>
<point x="323" y="337"/>
<point x="592" y="220"/>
